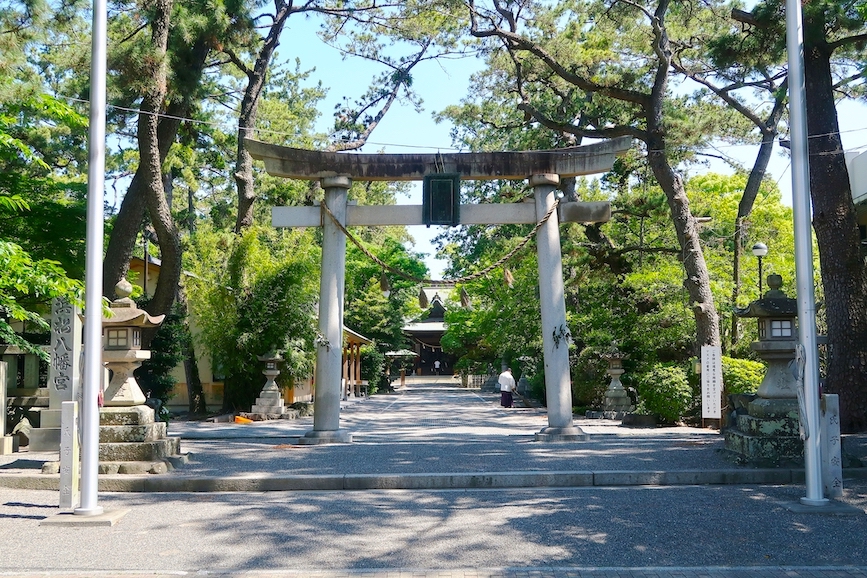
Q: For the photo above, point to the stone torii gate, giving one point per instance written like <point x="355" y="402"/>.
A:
<point x="336" y="171"/>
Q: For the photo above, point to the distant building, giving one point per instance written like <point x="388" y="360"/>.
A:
<point x="427" y="331"/>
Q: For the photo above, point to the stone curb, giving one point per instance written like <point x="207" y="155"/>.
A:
<point x="440" y="481"/>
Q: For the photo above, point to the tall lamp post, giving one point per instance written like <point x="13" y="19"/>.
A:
<point x="760" y="250"/>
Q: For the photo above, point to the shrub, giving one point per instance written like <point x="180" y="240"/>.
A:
<point x="665" y="392"/>
<point x="742" y="375"/>
<point x="373" y="368"/>
<point x="589" y="380"/>
<point x="167" y="348"/>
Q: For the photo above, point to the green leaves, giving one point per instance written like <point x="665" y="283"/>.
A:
<point x="26" y="286"/>
<point x="253" y="293"/>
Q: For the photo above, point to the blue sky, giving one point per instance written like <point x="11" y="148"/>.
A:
<point x="402" y="130"/>
<point x="443" y="83"/>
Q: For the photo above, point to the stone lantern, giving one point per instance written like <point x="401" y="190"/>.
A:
<point x="122" y="352"/>
<point x="270" y="402"/>
<point x="617" y="400"/>
<point x="765" y="426"/>
<point x="778" y="337"/>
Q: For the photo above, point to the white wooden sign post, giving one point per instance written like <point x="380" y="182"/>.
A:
<point x="711" y="382"/>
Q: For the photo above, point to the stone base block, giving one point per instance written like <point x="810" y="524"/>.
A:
<point x="761" y="427"/>
<point x="132" y="433"/>
<point x="561" y="434"/>
<point x="639" y="420"/>
<point x="268" y="406"/>
<point x="136" y="468"/>
<point x="45" y="439"/>
<point x="767" y="434"/>
<point x="139" y="451"/>
<point x="317" y="437"/>
<point x="617" y="401"/>
<point x="7" y="445"/>
<point x="49" y="418"/>
<point x="765" y="450"/>
<point x="130" y="468"/>
<point x="133" y="415"/>
<point x="773" y="408"/>
<point x="287" y="414"/>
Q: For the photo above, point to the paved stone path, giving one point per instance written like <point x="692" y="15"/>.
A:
<point x="596" y="531"/>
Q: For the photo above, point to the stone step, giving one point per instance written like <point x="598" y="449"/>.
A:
<point x="26" y="401"/>
<point x="132" y="433"/>
<point x="756" y="426"/>
<point x="139" y="451"/>
<point x="146" y="467"/>
<point x="765" y="450"/>
<point x="130" y="467"/>
<point x="135" y="415"/>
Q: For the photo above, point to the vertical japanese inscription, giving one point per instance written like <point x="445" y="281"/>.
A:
<point x="711" y="381"/>
<point x="65" y="349"/>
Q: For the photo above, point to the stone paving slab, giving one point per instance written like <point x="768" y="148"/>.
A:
<point x="431" y="435"/>
<point x="603" y="532"/>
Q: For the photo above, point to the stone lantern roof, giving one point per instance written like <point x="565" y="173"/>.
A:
<point x="774" y="303"/>
<point x="125" y="312"/>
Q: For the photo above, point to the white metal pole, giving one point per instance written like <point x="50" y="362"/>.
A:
<point x="93" y="266"/>
<point x="804" y="251"/>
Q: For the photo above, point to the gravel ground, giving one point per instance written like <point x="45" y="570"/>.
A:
<point x="535" y="532"/>
<point x="598" y="527"/>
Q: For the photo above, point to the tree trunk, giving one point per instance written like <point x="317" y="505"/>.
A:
<point x="150" y="163"/>
<point x="121" y="241"/>
<point x="132" y="210"/>
<point x="844" y="275"/>
<point x="697" y="282"/>
<point x="745" y="207"/>
<point x="195" y="393"/>
<point x="247" y="117"/>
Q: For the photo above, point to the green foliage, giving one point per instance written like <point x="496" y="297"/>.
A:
<point x="168" y="348"/>
<point x="26" y="289"/>
<point x="589" y="380"/>
<point x="368" y="311"/>
<point x="742" y="375"/>
<point x="42" y="188"/>
<point x="254" y="293"/>
<point x="373" y="365"/>
<point x="664" y="391"/>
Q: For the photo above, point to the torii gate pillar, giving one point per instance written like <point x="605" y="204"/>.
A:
<point x="329" y="342"/>
<point x="555" y="331"/>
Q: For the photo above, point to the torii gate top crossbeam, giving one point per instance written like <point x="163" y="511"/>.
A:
<point x="304" y="164"/>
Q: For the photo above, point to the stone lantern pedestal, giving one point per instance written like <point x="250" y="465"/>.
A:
<point x="764" y="428"/>
<point x="123" y="390"/>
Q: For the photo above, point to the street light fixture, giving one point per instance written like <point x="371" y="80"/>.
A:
<point x="760" y="250"/>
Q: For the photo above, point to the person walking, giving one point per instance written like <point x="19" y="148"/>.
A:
<point x="507" y="386"/>
<point x="437" y="367"/>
